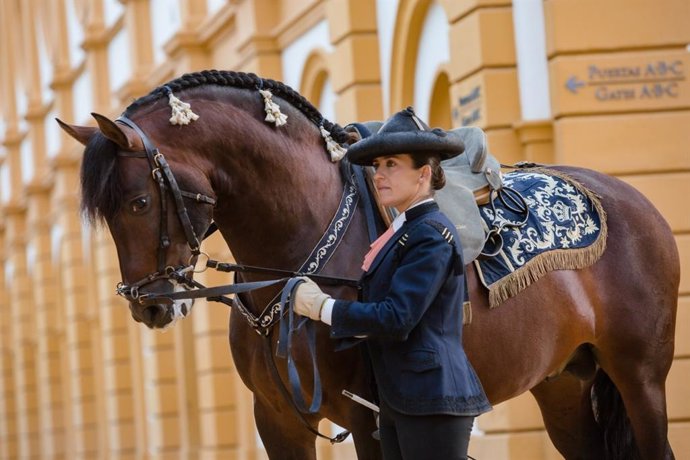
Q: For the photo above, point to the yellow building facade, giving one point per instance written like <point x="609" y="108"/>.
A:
<point x="603" y="84"/>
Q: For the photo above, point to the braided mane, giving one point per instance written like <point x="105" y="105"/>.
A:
<point x="242" y="80"/>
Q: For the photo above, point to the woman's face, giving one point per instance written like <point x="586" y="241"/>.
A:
<point x="398" y="183"/>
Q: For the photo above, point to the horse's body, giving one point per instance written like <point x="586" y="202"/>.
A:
<point x="277" y="191"/>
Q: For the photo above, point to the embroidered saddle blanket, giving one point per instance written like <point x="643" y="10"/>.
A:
<point x="566" y="229"/>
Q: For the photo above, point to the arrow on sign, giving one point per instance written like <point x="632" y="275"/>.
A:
<point x="573" y="84"/>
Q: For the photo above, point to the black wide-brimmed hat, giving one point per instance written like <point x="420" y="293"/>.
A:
<point x="404" y="132"/>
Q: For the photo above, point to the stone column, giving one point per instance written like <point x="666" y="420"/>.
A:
<point x="6" y="378"/>
<point x="77" y="307"/>
<point x="483" y="72"/>
<point x="354" y="71"/>
<point x="536" y="138"/>
<point x="21" y="307"/>
<point x="22" y="320"/>
<point x="257" y="48"/>
<point x="78" y="310"/>
<point x="9" y="442"/>
<point x="120" y="412"/>
<point x="485" y="93"/>
<point x="218" y="396"/>
<point x="138" y="26"/>
<point x="186" y="50"/>
<point x="42" y="271"/>
<point x="161" y="389"/>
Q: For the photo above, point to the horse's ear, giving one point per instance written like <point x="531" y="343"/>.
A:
<point x="122" y="135"/>
<point x="353" y="135"/>
<point x="80" y="133"/>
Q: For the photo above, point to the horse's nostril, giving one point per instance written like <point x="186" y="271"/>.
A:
<point x="151" y="312"/>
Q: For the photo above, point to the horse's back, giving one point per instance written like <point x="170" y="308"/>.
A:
<point x="620" y="302"/>
<point x="636" y="229"/>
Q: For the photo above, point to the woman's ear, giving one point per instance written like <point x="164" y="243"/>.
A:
<point x="426" y="171"/>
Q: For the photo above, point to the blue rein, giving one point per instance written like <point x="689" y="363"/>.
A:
<point x="290" y="324"/>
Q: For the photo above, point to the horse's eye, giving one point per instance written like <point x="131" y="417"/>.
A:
<point x="139" y="205"/>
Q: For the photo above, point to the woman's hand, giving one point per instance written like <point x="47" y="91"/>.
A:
<point x="309" y="299"/>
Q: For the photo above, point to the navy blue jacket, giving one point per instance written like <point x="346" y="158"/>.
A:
<point x="411" y="315"/>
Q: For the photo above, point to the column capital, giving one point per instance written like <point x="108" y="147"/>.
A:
<point x="64" y="77"/>
<point x="13" y="136"/>
<point x="39" y="186"/>
<point x="96" y="37"/>
<point x="14" y="208"/>
<point x="184" y="40"/>
<point x="533" y="131"/>
<point x="65" y="159"/>
<point x="135" y="87"/>
<point x="37" y="111"/>
<point x="536" y="138"/>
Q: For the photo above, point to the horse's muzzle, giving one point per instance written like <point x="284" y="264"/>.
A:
<point x="160" y="316"/>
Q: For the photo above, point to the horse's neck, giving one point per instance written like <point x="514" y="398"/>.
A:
<point x="276" y="202"/>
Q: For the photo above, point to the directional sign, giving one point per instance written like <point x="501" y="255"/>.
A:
<point x="613" y="83"/>
<point x="573" y="84"/>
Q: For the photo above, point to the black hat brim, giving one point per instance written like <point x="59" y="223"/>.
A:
<point x="445" y="144"/>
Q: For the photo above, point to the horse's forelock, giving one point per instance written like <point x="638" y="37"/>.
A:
<point x="100" y="183"/>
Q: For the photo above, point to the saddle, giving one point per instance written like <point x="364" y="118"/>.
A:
<point x="470" y="180"/>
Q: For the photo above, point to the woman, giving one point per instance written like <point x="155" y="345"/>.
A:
<point x="412" y="295"/>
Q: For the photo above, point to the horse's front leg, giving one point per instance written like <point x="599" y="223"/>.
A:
<point x="283" y="434"/>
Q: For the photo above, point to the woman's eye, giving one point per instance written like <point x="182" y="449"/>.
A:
<point x="138" y="205"/>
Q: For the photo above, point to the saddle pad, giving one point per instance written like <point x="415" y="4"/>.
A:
<point x="566" y="230"/>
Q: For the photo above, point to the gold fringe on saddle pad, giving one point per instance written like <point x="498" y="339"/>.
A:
<point x="557" y="259"/>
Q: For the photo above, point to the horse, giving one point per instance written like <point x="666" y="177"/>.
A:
<point x="594" y="346"/>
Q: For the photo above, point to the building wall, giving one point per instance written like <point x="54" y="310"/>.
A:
<point x="600" y="84"/>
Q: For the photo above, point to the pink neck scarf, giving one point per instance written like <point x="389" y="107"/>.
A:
<point x="376" y="247"/>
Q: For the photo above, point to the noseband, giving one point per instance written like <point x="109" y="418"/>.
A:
<point x="163" y="176"/>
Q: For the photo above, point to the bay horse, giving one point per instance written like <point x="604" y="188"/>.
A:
<point x="594" y="346"/>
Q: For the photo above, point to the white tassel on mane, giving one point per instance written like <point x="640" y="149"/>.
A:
<point x="181" y="112"/>
<point x="273" y="113"/>
<point x="336" y="150"/>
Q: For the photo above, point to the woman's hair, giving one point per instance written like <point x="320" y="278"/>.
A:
<point x="438" y="177"/>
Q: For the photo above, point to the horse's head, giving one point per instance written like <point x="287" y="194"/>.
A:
<point x="155" y="184"/>
<point x="157" y="213"/>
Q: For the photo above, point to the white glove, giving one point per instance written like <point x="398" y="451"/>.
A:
<point x="309" y="299"/>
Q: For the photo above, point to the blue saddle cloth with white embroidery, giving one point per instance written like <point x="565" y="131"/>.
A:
<point x="566" y="229"/>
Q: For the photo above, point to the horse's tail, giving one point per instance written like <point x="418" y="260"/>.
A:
<point x="610" y="414"/>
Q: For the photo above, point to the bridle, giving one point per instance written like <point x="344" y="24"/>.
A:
<point x="317" y="259"/>
<point x="163" y="176"/>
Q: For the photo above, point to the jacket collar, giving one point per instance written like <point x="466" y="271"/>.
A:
<point x="410" y="215"/>
<point x="424" y="208"/>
